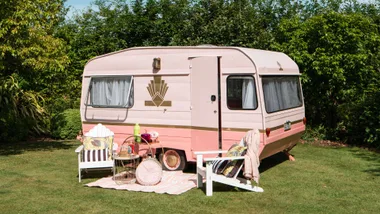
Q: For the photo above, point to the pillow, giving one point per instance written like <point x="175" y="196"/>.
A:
<point x="95" y="155"/>
<point x="218" y="166"/>
<point x="95" y="143"/>
<point x="98" y="143"/>
<point x="233" y="166"/>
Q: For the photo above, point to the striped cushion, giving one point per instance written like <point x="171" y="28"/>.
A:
<point x="226" y="167"/>
<point x="95" y="155"/>
<point x="218" y="166"/>
<point x="233" y="166"/>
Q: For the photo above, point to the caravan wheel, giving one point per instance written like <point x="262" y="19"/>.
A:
<point x="173" y="160"/>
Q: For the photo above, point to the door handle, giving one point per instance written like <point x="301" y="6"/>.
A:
<point x="215" y="111"/>
<point x="213" y="98"/>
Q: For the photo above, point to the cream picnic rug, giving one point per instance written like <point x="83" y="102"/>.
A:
<point x="172" y="182"/>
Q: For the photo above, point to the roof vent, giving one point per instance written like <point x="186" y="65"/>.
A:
<point x="281" y="69"/>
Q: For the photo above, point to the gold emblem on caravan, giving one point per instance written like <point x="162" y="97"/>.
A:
<point x="157" y="89"/>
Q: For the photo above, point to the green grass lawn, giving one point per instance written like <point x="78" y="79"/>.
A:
<point x="42" y="178"/>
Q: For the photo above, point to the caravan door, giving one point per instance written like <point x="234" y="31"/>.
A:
<point x="205" y="103"/>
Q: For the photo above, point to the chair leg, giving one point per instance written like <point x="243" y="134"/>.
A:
<point x="209" y="187"/>
<point x="199" y="166"/>
<point x="79" y="169"/>
<point x="199" y="180"/>
<point x="209" y="179"/>
<point x="79" y="175"/>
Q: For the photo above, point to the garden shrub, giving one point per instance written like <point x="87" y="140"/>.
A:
<point x="338" y="54"/>
<point x="314" y="133"/>
<point x="361" y="120"/>
<point x="21" y="111"/>
<point x="13" y="130"/>
<point x="66" y="125"/>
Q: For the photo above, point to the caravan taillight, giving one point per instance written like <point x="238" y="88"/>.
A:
<point x="304" y="120"/>
<point x="267" y="131"/>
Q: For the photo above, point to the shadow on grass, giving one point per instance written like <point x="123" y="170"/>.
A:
<point x="96" y="173"/>
<point x="265" y="164"/>
<point x="21" y="147"/>
<point x="373" y="158"/>
<point x="272" y="161"/>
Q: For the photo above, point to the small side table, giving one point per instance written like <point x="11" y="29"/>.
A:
<point x="125" y="169"/>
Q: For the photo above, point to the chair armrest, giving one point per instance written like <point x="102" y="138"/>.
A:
<point x="79" y="149"/>
<point x="210" y="152"/>
<point x="200" y="154"/>
<point x="224" y="158"/>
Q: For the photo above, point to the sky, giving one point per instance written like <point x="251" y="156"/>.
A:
<point x="81" y="4"/>
<point x="77" y="5"/>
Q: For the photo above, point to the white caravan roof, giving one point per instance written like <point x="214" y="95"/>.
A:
<point x="265" y="62"/>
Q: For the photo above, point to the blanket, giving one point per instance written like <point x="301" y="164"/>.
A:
<point x="172" y="182"/>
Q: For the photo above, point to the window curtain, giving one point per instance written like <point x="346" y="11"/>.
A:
<point x="248" y="94"/>
<point x="281" y="93"/>
<point x="111" y="91"/>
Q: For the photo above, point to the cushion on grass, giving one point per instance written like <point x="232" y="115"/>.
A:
<point x="233" y="166"/>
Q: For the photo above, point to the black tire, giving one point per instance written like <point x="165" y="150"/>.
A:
<point x="172" y="160"/>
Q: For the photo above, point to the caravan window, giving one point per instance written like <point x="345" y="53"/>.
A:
<point x="116" y="91"/>
<point x="241" y="92"/>
<point x="281" y="93"/>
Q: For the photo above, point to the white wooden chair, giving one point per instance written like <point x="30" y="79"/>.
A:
<point x="99" y="158"/>
<point x="210" y="177"/>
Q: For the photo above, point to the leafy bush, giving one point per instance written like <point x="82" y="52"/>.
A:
<point x="21" y="114"/>
<point x="361" y="120"/>
<point x="13" y="129"/>
<point x="338" y="54"/>
<point x="314" y="133"/>
<point x="66" y="125"/>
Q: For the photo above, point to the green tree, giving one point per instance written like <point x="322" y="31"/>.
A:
<point x="27" y="44"/>
<point x="31" y="59"/>
<point x="338" y="54"/>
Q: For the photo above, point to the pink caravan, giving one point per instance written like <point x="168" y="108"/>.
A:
<point x="195" y="98"/>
